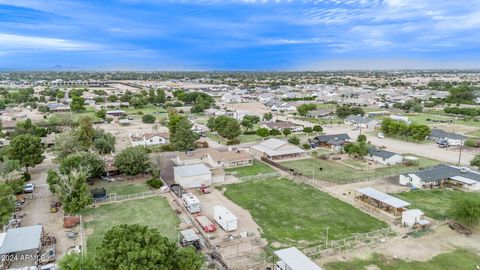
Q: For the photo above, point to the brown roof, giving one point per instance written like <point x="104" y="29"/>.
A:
<point x="216" y="155"/>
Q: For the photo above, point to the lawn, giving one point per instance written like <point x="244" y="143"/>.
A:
<point x="154" y="212"/>
<point x="149" y="109"/>
<point x="292" y="214"/>
<point x="258" y="167"/>
<point x="459" y="259"/>
<point x="435" y="203"/>
<point x="333" y="171"/>
<point x="121" y="187"/>
<point x="421" y="118"/>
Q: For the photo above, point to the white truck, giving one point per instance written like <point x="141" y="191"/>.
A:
<point x="191" y="203"/>
<point x="225" y="219"/>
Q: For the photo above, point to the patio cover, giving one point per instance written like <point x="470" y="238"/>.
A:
<point x="383" y="197"/>
<point x="22" y="239"/>
<point x="295" y="259"/>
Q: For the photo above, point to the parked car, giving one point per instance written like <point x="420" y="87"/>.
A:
<point x="381" y="135"/>
<point x="29" y="188"/>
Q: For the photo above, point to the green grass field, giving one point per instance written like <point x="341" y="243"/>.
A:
<point x="435" y="203"/>
<point x="121" y="187"/>
<point x="292" y="214"/>
<point x="154" y="212"/>
<point x="333" y="171"/>
<point x="258" y="167"/>
<point x="459" y="260"/>
<point x="421" y="118"/>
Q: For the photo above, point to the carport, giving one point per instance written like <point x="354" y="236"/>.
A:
<point x="24" y="240"/>
<point x="293" y="259"/>
<point x="381" y="200"/>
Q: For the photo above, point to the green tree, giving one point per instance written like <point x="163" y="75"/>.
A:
<point x="67" y="143"/>
<point x="359" y="149"/>
<point x="135" y="247"/>
<point x="471" y="143"/>
<point x="307" y="130"/>
<point x="71" y="189"/>
<point x="91" y="163"/>
<point x="132" y="160"/>
<point x="249" y="120"/>
<point x="103" y="141"/>
<point x="286" y="132"/>
<point x="75" y="261"/>
<point x="317" y="128"/>
<point x="27" y="149"/>
<point x="467" y="210"/>
<point x="7" y="201"/>
<point x="475" y="161"/>
<point x="419" y="132"/>
<point x="184" y="138"/>
<point x="102" y="113"/>
<point x="361" y="138"/>
<point x="263" y="132"/>
<point x="294" y="140"/>
<point x="187" y="259"/>
<point x="78" y="104"/>
<point x="302" y="110"/>
<point x="267" y="116"/>
<point x="226" y="126"/>
<point x="148" y="119"/>
<point x="274" y="132"/>
<point x="85" y="131"/>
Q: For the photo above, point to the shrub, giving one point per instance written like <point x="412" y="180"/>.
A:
<point x="471" y="143"/>
<point x="148" y="119"/>
<point x="233" y="141"/>
<point x="154" y="183"/>
<point x="294" y="140"/>
<point x="306" y="146"/>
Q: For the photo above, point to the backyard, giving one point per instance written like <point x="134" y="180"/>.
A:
<point x="333" y="171"/>
<point x="124" y="187"/>
<point x="435" y="203"/>
<point x="292" y="214"/>
<point x="258" y="167"/>
<point x="154" y="212"/>
<point x="459" y="260"/>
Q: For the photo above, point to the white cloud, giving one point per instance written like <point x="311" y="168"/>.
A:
<point x="22" y="42"/>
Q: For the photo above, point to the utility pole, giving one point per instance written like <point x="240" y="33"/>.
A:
<point x="460" y="153"/>
<point x="327" y="236"/>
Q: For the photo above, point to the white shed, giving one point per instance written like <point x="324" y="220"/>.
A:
<point x="411" y="217"/>
<point x="192" y="176"/>
<point x="225" y="218"/>
<point x="293" y="259"/>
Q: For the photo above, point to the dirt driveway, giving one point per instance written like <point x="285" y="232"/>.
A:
<point x="38" y="209"/>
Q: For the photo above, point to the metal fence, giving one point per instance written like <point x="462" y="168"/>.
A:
<point x="335" y="246"/>
<point x="258" y="176"/>
<point x="113" y="197"/>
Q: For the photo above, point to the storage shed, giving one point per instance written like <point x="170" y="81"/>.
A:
<point x="412" y="217"/>
<point x="293" y="259"/>
<point x="225" y="218"/>
<point x="192" y="176"/>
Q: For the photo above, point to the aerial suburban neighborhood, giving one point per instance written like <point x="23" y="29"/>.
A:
<point x="357" y="172"/>
<point x="240" y="135"/>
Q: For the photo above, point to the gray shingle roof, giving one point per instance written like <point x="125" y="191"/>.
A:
<point x="358" y="119"/>
<point x="381" y="153"/>
<point x="443" y="171"/>
<point x="442" y="134"/>
<point x="326" y="138"/>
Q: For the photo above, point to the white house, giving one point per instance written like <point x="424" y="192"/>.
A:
<point x="412" y="217"/>
<point x="384" y="157"/>
<point x="276" y="149"/>
<point x="452" y="139"/>
<point x="361" y="121"/>
<point x="229" y="98"/>
<point x="148" y="139"/>
<point x="443" y="175"/>
<point x="192" y="176"/>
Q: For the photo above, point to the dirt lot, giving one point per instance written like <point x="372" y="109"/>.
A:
<point x="38" y="210"/>
<point x="121" y="132"/>
<point x="254" y="107"/>
<point x="442" y="240"/>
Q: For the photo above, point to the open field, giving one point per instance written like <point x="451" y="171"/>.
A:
<point x="292" y="214"/>
<point x="459" y="260"/>
<point x="435" y="203"/>
<point x="258" y="167"/>
<point x="154" y="212"/>
<point x="421" y="118"/>
<point x="122" y="187"/>
<point x="333" y="171"/>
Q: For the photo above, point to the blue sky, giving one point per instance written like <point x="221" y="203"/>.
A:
<point x="239" y="34"/>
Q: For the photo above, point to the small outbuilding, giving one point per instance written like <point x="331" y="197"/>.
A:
<point x="25" y="242"/>
<point x="293" y="259"/>
<point x="192" y="176"/>
<point x="384" y="157"/>
<point x="412" y="217"/>
<point x="225" y="218"/>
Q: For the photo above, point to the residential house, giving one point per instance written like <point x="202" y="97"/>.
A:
<point x="319" y="114"/>
<point x="443" y="176"/>
<point x="149" y="139"/>
<point x="116" y="112"/>
<point x="215" y="158"/>
<point x="280" y="125"/>
<point x="440" y="135"/>
<point x="57" y="107"/>
<point x="229" y="98"/>
<point x="275" y="149"/>
<point x="361" y="122"/>
<point x="266" y="97"/>
<point x="384" y="157"/>
<point x="333" y="141"/>
<point x="285" y="106"/>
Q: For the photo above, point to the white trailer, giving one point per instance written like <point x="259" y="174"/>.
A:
<point x="225" y="219"/>
<point x="191" y="203"/>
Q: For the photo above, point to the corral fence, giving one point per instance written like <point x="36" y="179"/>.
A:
<point x="113" y="197"/>
<point x="336" y="246"/>
<point x="258" y="176"/>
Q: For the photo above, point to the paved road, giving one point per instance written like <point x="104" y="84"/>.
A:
<point x="450" y="155"/>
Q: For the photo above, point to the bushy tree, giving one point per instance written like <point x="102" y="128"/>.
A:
<point x="67" y="143"/>
<point x="359" y="149"/>
<point x="132" y="160"/>
<point x="102" y="113"/>
<point x="78" y="104"/>
<point x="7" y="201"/>
<point x="267" y="116"/>
<point x="183" y="138"/>
<point x="274" y="132"/>
<point x="226" y="126"/>
<point x="104" y="142"/>
<point x="148" y="119"/>
<point x="71" y="189"/>
<point x="344" y="111"/>
<point x="307" y="130"/>
<point x="249" y="120"/>
<point x="317" y="128"/>
<point x="27" y="149"/>
<point x="467" y="210"/>
<point x="74" y="261"/>
<point x="286" y="132"/>
<point x="139" y="247"/>
<point x="85" y="131"/>
<point x="294" y="140"/>
<point x="91" y="163"/>
<point x="475" y="161"/>
<point x="361" y="138"/>
<point x="263" y="132"/>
